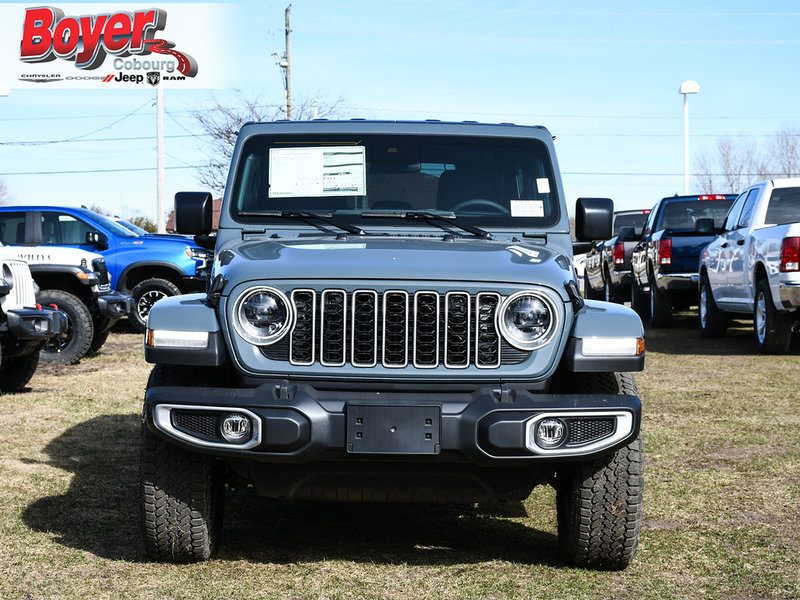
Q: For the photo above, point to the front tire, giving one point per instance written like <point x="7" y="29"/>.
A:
<point x="74" y="342"/>
<point x="773" y="329"/>
<point x="16" y="372"/>
<point x="713" y="322"/>
<point x="639" y="301"/>
<point x="181" y="492"/>
<point x="599" y="502"/>
<point x="145" y="295"/>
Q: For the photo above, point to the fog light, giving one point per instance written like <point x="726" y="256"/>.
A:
<point x="550" y="432"/>
<point x="236" y="428"/>
<point x="40" y="326"/>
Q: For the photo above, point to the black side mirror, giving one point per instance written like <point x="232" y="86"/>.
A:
<point x="193" y="212"/>
<point x="704" y="225"/>
<point x="95" y="238"/>
<point x="628" y="234"/>
<point x="593" y="218"/>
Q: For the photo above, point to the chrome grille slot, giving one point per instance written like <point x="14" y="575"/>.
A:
<point x="302" y="339"/>
<point x="457" y="330"/>
<point x="333" y="330"/>
<point x="364" y="329"/>
<point x="426" y="330"/>
<point x="487" y="339"/>
<point x="395" y="328"/>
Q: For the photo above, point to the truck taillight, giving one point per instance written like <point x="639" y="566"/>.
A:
<point x="665" y="251"/>
<point x="790" y="254"/>
<point x="619" y="253"/>
<point x="712" y="197"/>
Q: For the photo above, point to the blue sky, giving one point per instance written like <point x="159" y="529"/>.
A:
<point x="602" y="77"/>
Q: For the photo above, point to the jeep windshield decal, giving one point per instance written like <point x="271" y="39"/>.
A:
<point x="317" y="171"/>
<point x="482" y="181"/>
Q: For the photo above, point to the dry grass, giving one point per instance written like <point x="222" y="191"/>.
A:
<point x="722" y="514"/>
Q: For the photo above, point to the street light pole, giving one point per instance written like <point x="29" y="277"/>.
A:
<point x="687" y="87"/>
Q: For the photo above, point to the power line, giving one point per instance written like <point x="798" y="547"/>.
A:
<point x="128" y="170"/>
<point x="77" y="137"/>
<point x="118" y="139"/>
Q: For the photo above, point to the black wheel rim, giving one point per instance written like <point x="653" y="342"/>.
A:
<point x="55" y="345"/>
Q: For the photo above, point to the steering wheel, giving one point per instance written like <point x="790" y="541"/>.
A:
<point x="480" y="202"/>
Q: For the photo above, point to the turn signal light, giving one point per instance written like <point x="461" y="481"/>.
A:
<point x="790" y="254"/>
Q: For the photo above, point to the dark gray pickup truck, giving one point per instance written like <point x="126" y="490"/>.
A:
<point x="665" y="262"/>
<point x="608" y="264"/>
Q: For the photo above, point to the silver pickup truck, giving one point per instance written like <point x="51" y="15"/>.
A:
<point x="753" y="267"/>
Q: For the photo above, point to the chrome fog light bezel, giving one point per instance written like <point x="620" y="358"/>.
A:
<point x="623" y="427"/>
<point x="237" y="316"/>
<point x="162" y="419"/>
<point x="540" y="341"/>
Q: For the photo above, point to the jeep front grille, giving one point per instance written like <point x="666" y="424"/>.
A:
<point x="395" y="329"/>
<point x="21" y="294"/>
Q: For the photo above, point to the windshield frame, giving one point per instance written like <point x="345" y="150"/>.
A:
<point x="260" y="143"/>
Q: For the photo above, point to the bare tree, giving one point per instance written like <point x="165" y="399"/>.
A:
<point x="704" y="173"/>
<point x="785" y="151"/>
<point x="3" y="193"/>
<point x="223" y="121"/>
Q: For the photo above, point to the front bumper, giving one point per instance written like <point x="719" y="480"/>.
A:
<point x="298" y="424"/>
<point x="789" y="293"/>
<point x="671" y="282"/>
<point x="114" y="305"/>
<point x="36" y="323"/>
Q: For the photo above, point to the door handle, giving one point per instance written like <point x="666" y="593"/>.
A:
<point x="740" y="242"/>
<point x="724" y="244"/>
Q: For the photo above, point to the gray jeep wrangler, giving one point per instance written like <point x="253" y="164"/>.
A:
<point x="393" y="316"/>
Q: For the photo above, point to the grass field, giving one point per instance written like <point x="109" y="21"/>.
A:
<point x="722" y="500"/>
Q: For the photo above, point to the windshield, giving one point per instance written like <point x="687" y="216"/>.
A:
<point x="784" y="206"/>
<point x="635" y="220"/>
<point x="683" y="214"/>
<point x="108" y="223"/>
<point x="482" y="181"/>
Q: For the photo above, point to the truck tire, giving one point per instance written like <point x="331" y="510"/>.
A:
<point x="660" y="307"/>
<point x="599" y="502"/>
<point x="73" y="344"/>
<point x="16" y="372"/>
<point x="181" y="492"/>
<point x="609" y="293"/>
<point x="639" y="302"/>
<point x="773" y="329"/>
<point x="713" y="322"/>
<point x="145" y="294"/>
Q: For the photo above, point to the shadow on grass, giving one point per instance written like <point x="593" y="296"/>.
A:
<point x="684" y="338"/>
<point x="99" y="513"/>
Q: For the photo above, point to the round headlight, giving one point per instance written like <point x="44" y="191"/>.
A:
<point x="263" y="315"/>
<point x="527" y="320"/>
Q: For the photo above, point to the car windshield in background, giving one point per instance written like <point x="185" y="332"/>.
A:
<point x="108" y="223"/>
<point x="481" y="181"/>
<point x="636" y="221"/>
<point x="683" y="214"/>
<point x="784" y="206"/>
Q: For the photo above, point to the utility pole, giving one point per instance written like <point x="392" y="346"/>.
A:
<point x="160" y="228"/>
<point x="288" y="59"/>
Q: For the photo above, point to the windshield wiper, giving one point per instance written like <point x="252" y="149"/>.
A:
<point x="308" y="217"/>
<point x="432" y="218"/>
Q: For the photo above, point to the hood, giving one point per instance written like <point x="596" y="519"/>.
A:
<point x="52" y="255"/>
<point x="422" y="259"/>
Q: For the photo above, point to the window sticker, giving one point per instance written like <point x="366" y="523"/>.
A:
<point x="527" y="208"/>
<point x="317" y="171"/>
<point x="543" y="185"/>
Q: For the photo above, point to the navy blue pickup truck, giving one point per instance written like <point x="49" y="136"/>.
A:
<point x="665" y="262"/>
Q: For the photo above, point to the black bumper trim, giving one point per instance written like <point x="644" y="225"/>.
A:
<point x="114" y="305"/>
<point x="462" y="415"/>
<point x="22" y="323"/>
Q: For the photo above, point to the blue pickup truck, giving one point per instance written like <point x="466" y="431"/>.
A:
<point x="665" y="262"/>
<point x="148" y="267"/>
